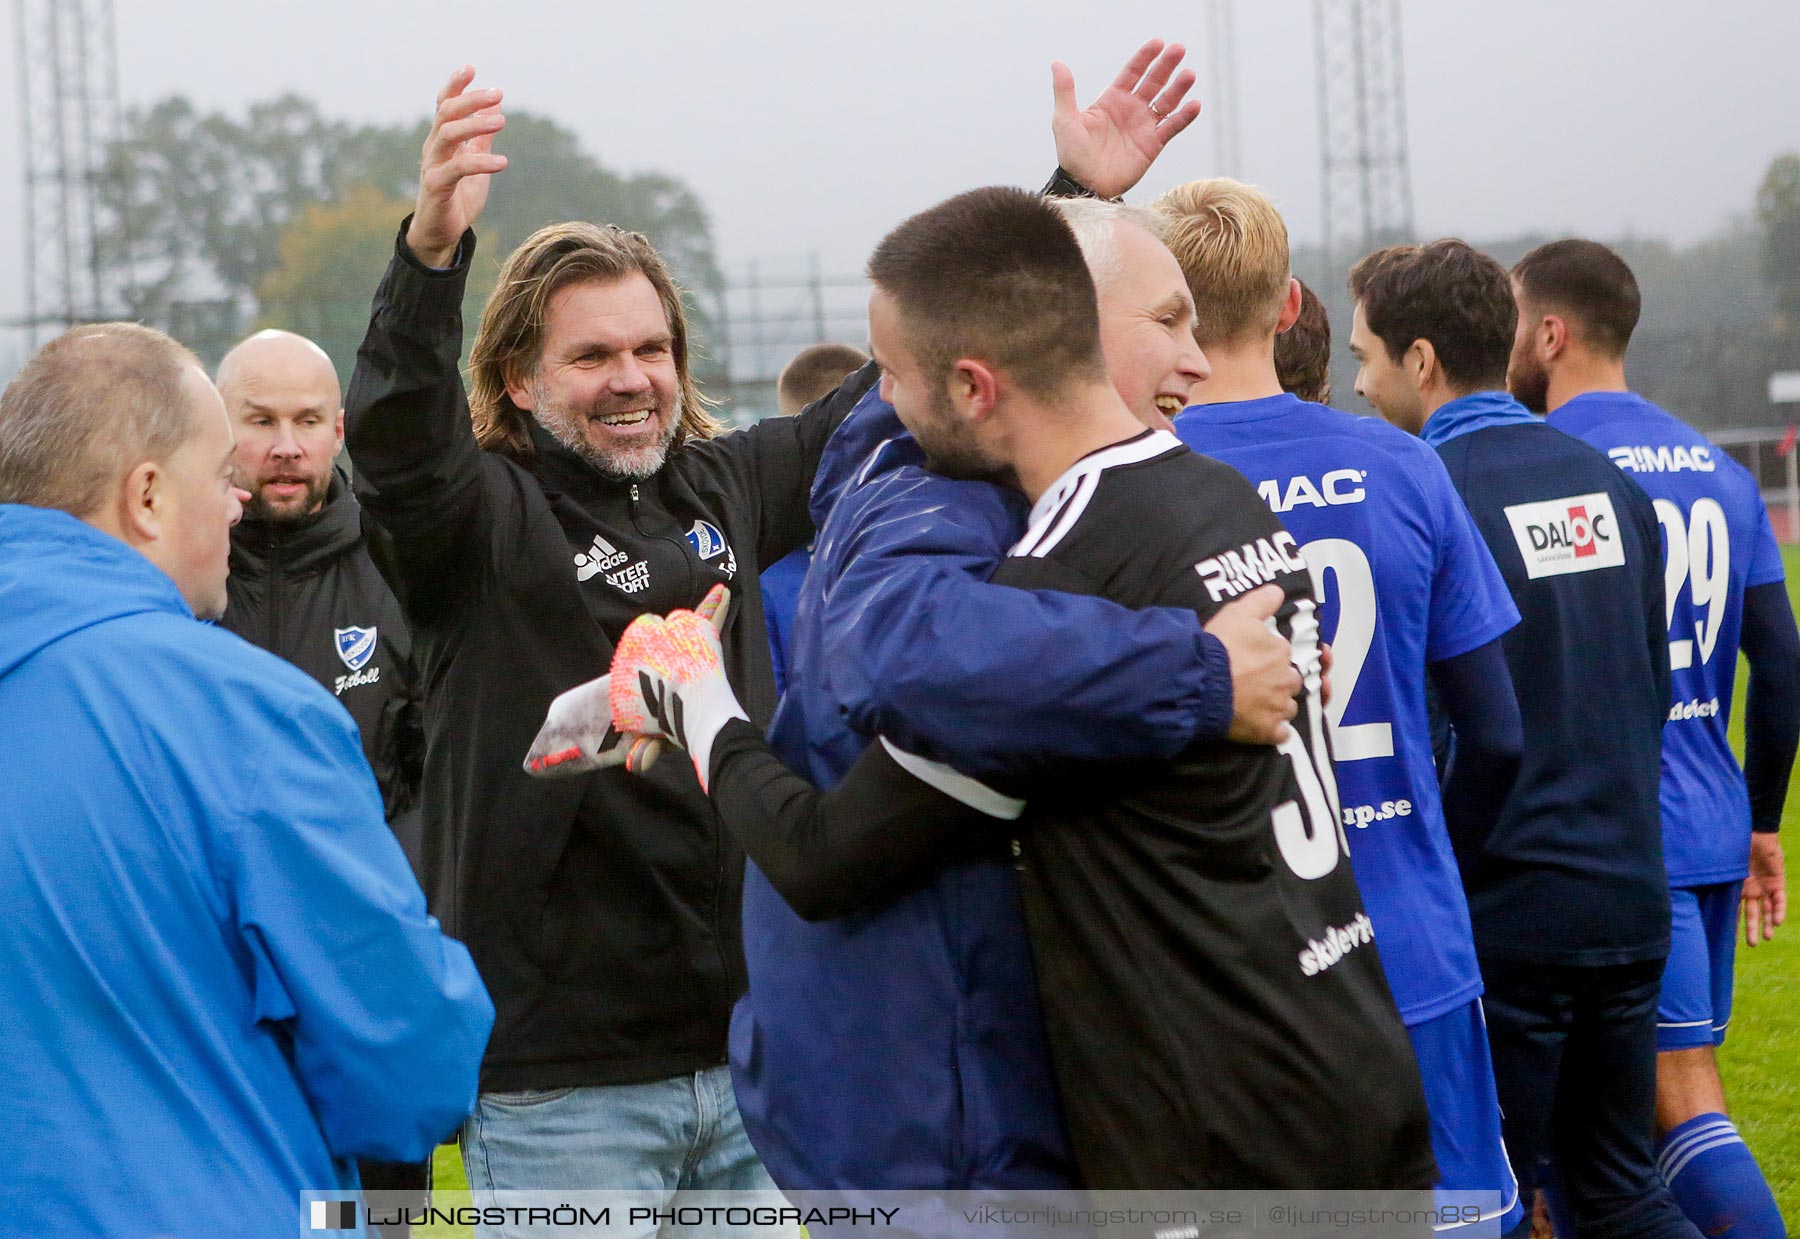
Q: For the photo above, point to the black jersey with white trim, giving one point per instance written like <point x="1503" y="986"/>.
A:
<point x="1216" y="1008"/>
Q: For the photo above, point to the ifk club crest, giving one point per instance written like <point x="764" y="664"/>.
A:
<point x="355" y="645"/>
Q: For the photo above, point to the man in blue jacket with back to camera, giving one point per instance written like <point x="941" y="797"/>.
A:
<point x="223" y="987"/>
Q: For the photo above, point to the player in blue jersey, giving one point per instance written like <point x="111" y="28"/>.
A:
<point x="1725" y="591"/>
<point x="1567" y="893"/>
<point x="1407" y="587"/>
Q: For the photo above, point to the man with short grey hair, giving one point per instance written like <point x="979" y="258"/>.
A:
<point x="225" y="985"/>
<point x="1146" y="312"/>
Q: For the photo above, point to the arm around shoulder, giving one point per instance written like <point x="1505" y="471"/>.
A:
<point x="928" y="644"/>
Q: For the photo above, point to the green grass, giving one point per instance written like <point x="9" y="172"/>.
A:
<point x="449" y="1187"/>
<point x="1760" y="1061"/>
<point x="1761" y="1058"/>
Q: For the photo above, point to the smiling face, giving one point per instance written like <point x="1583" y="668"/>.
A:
<point x="1383" y="381"/>
<point x="605" y="385"/>
<point x="1147" y="327"/>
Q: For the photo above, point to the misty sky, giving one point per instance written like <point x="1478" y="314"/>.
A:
<point x="817" y="126"/>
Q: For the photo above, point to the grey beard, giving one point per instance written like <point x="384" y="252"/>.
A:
<point x="633" y="465"/>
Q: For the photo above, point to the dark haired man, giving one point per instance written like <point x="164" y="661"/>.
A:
<point x="1566" y="891"/>
<point x="1220" y="872"/>
<point x="1578" y="305"/>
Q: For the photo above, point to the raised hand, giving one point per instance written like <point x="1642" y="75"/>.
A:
<point x="1111" y="144"/>
<point x="458" y="163"/>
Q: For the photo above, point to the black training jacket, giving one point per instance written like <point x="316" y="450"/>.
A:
<point x="603" y="910"/>
<point x="309" y="592"/>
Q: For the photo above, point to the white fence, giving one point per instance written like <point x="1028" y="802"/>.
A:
<point x="1775" y="471"/>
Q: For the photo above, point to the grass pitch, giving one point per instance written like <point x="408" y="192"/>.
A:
<point x="1761" y="1058"/>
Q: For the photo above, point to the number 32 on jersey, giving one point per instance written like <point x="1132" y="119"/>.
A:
<point x="1339" y="568"/>
<point x="1311" y="842"/>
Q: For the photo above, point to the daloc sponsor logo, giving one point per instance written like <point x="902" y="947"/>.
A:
<point x="1560" y="536"/>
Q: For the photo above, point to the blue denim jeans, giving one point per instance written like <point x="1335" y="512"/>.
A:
<point x="668" y="1136"/>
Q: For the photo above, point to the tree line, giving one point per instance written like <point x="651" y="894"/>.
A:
<point x="213" y="224"/>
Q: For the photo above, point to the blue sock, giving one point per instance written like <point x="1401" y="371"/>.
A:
<point x="1716" y="1181"/>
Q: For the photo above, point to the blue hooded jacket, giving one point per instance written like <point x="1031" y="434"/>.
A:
<point x="903" y="1047"/>
<point x="221" y="982"/>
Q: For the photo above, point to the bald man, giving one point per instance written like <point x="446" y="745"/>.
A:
<point x="303" y="585"/>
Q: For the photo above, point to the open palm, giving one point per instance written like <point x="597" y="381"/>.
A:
<point x="457" y="168"/>
<point x="1109" y="145"/>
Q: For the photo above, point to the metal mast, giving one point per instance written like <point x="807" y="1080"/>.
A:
<point x="69" y="96"/>
<point x="1222" y="96"/>
<point x="1365" y="179"/>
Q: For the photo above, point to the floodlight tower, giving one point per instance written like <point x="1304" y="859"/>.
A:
<point x="1365" y="180"/>
<point x="69" y="96"/>
<point x="1221" y="95"/>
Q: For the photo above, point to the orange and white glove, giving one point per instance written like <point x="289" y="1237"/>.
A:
<point x="668" y="681"/>
<point x="578" y="735"/>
